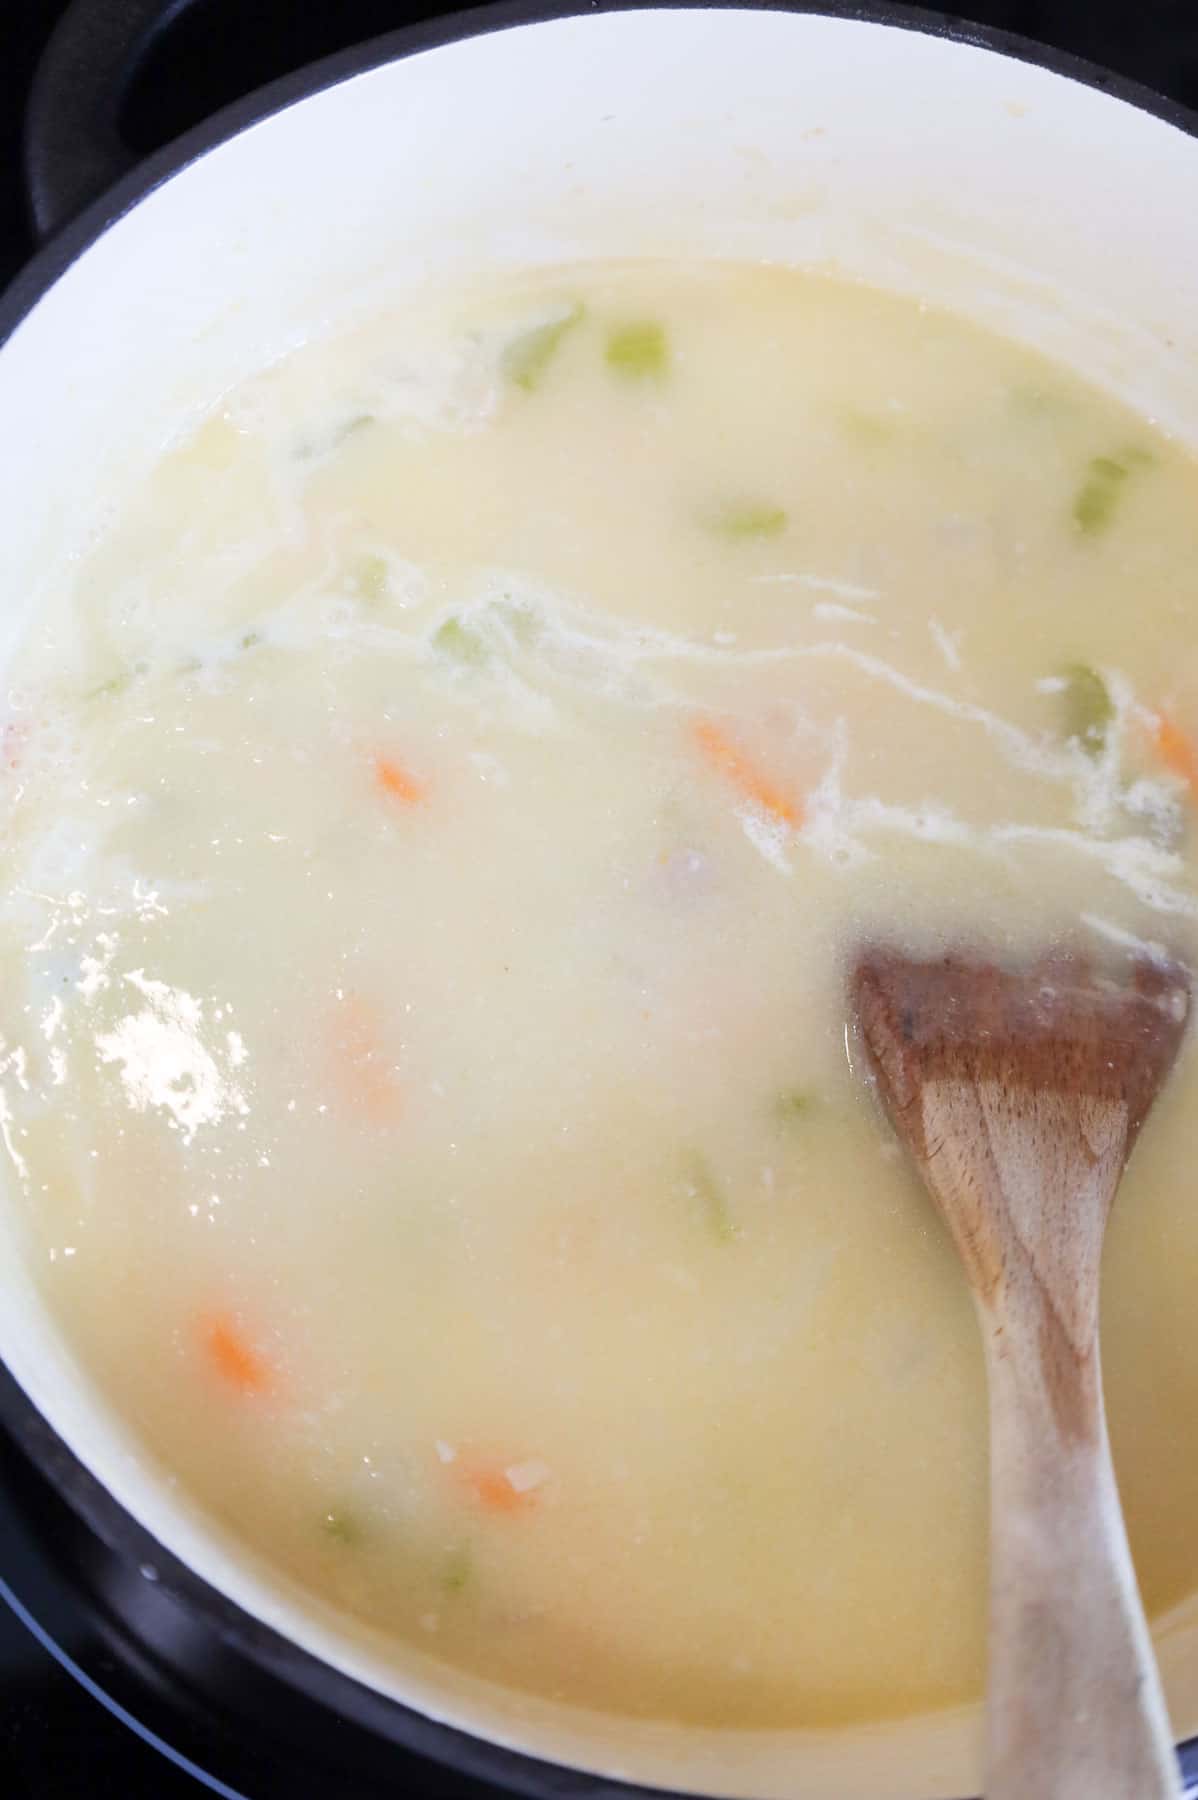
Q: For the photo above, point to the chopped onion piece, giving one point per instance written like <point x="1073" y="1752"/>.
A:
<point x="523" y="1477"/>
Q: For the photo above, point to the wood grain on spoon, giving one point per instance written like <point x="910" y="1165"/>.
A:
<point x="1019" y="1094"/>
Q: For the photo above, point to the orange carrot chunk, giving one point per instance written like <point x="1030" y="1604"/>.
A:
<point x="488" y="1483"/>
<point x="1177" y="750"/>
<point x="364" y="1075"/>
<point x="738" y="767"/>
<point x="233" y="1358"/>
<point x="395" y="781"/>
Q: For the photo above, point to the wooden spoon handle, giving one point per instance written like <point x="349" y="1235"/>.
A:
<point x="1075" y="1704"/>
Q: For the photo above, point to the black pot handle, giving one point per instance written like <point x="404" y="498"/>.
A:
<point x="73" y="145"/>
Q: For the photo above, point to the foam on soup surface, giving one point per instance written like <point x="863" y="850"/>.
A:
<point x="438" y="816"/>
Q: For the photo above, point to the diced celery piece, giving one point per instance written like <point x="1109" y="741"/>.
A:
<point x="1106" y="476"/>
<point x="638" y="350"/>
<point x="743" y="519"/>
<point x="107" y="690"/>
<point x="867" y="428"/>
<point x="458" y="1570"/>
<point x="523" y="621"/>
<point x="342" y="1528"/>
<point x="1095" y="505"/>
<point x="706" y="1192"/>
<point x="324" y="443"/>
<point x="1088" y="707"/>
<point x="459" y="642"/>
<point x="527" y="357"/>
<point x="370" y="577"/>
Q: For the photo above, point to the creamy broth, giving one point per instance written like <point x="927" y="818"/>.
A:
<point x="438" y="816"/>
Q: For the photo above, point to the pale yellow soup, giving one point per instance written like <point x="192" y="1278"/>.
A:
<point x="439" y="817"/>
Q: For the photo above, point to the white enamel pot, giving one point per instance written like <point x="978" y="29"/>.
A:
<point x="972" y="171"/>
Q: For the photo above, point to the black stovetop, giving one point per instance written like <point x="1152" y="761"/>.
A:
<point x="84" y="1711"/>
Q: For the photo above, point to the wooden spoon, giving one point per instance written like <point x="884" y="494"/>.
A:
<point x="1019" y="1096"/>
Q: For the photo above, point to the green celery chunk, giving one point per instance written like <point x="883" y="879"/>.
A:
<point x="458" y="1570"/>
<point x="638" y="350"/>
<point x="527" y="357"/>
<point x="1095" y="502"/>
<point x="109" y="689"/>
<point x="868" y="429"/>
<point x="459" y="642"/>
<point x="1088" y="707"/>
<point x="523" y="622"/>
<point x="324" y="443"/>
<point x="353" y="426"/>
<point x="342" y="1528"/>
<point x="739" y="520"/>
<point x="370" y="577"/>
<point x="1094" y="506"/>
<point x="705" y="1191"/>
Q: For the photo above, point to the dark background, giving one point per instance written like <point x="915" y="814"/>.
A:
<point x="54" y="1739"/>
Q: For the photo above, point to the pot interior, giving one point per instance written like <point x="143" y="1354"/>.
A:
<point x="1029" y="201"/>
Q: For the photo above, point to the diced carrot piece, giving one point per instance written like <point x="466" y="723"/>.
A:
<point x="488" y="1484"/>
<point x="364" y="1075"/>
<point x="1177" y="750"/>
<point x="234" y="1359"/>
<point x="739" y="768"/>
<point x="395" y="780"/>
